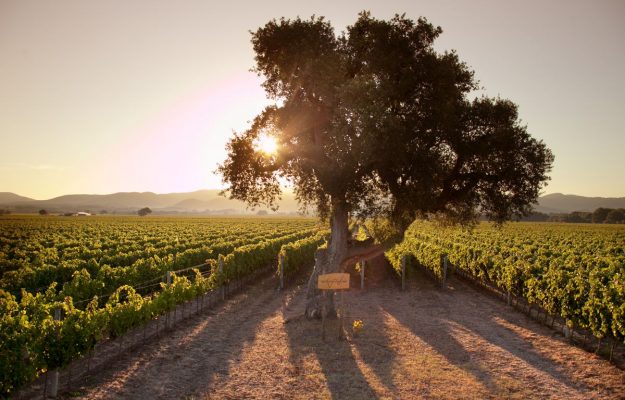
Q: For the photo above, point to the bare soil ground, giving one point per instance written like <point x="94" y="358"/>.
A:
<point x="420" y="343"/>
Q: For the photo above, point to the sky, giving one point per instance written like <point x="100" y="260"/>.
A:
<point x="117" y="95"/>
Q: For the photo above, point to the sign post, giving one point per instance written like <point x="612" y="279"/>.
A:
<point x="281" y="267"/>
<point x="403" y="272"/>
<point x="362" y="274"/>
<point x="333" y="281"/>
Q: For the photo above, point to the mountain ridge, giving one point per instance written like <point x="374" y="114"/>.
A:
<point x="210" y="201"/>
<point x="202" y="201"/>
<point x="567" y="203"/>
<point x="6" y="197"/>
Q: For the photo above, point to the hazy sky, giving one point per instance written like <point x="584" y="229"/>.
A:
<point x="106" y="96"/>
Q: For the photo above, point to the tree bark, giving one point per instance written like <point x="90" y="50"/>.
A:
<point x="329" y="260"/>
<point x="342" y="252"/>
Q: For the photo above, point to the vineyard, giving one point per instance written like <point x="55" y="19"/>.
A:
<point x="575" y="272"/>
<point x="67" y="283"/>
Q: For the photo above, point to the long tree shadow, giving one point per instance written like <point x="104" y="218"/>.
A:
<point x="342" y="361"/>
<point x="480" y="317"/>
<point x="437" y="334"/>
<point x="505" y="338"/>
<point x="340" y="370"/>
<point x="386" y="279"/>
<point x="191" y="358"/>
<point x="375" y="348"/>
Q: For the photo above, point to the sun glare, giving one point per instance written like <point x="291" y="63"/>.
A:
<point x="267" y="144"/>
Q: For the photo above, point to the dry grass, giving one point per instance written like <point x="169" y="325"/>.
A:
<point x="421" y="343"/>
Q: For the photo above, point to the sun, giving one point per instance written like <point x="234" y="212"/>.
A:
<point x="266" y="144"/>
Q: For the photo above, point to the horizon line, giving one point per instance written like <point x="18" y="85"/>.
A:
<point x="285" y="190"/>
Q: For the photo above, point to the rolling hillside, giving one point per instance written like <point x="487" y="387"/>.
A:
<point x="566" y="203"/>
<point x="204" y="201"/>
<point x="210" y="202"/>
<point x="12" y="198"/>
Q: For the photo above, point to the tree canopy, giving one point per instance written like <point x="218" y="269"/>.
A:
<point x="377" y="123"/>
<point x="616" y="216"/>
<point x="600" y="214"/>
<point x="144" y="211"/>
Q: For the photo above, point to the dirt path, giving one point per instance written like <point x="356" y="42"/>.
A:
<point x="421" y="343"/>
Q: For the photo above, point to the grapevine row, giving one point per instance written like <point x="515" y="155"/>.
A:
<point x="31" y="341"/>
<point x="574" y="272"/>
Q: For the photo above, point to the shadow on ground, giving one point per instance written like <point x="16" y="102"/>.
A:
<point x="447" y="318"/>
<point x="187" y="361"/>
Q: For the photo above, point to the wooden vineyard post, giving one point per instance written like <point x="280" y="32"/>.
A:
<point x="281" y="268"/>
<point x="612" y="350"/>
<point x="568" y="332"/>
<point x="220" y="270"/>
<point x="362" y="274"/>
<point x="444" y="269"/>
<point x="403" y="272"/>
<point x="168" y="282"/>
<point x="176" y="253"/>
<point x="54" y="375"/>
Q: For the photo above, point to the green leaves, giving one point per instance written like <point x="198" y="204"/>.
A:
<point x="569" y="270"/>
<point x="376" y="119"/>
<point x="132" y="260"/>
<point x="116" y="250"/>
<point x="300" y="253"/>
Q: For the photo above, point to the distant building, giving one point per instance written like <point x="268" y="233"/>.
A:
<point x="82" y="214"/>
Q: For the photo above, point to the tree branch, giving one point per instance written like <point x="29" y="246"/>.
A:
<point x="360" y="252"/>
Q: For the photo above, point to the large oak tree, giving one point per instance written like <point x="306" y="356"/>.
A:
<point x="375" y="123"/>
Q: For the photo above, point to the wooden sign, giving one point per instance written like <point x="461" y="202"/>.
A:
<point x="333" y="281"/>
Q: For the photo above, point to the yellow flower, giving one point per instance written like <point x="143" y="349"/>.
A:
<point x="357" y="326"/>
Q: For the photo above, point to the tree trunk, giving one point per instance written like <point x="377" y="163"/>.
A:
<point x="329" y="260"/>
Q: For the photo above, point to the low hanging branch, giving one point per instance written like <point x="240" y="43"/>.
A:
<point x="360" y="253"/>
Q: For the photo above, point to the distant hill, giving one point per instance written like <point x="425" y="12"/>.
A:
<point x="204" y="201"/>
<point x="209" y="201"/>
<point x="566" y="203"/>
<point x="8" y="197"/>
<point x="193" y="204"/>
